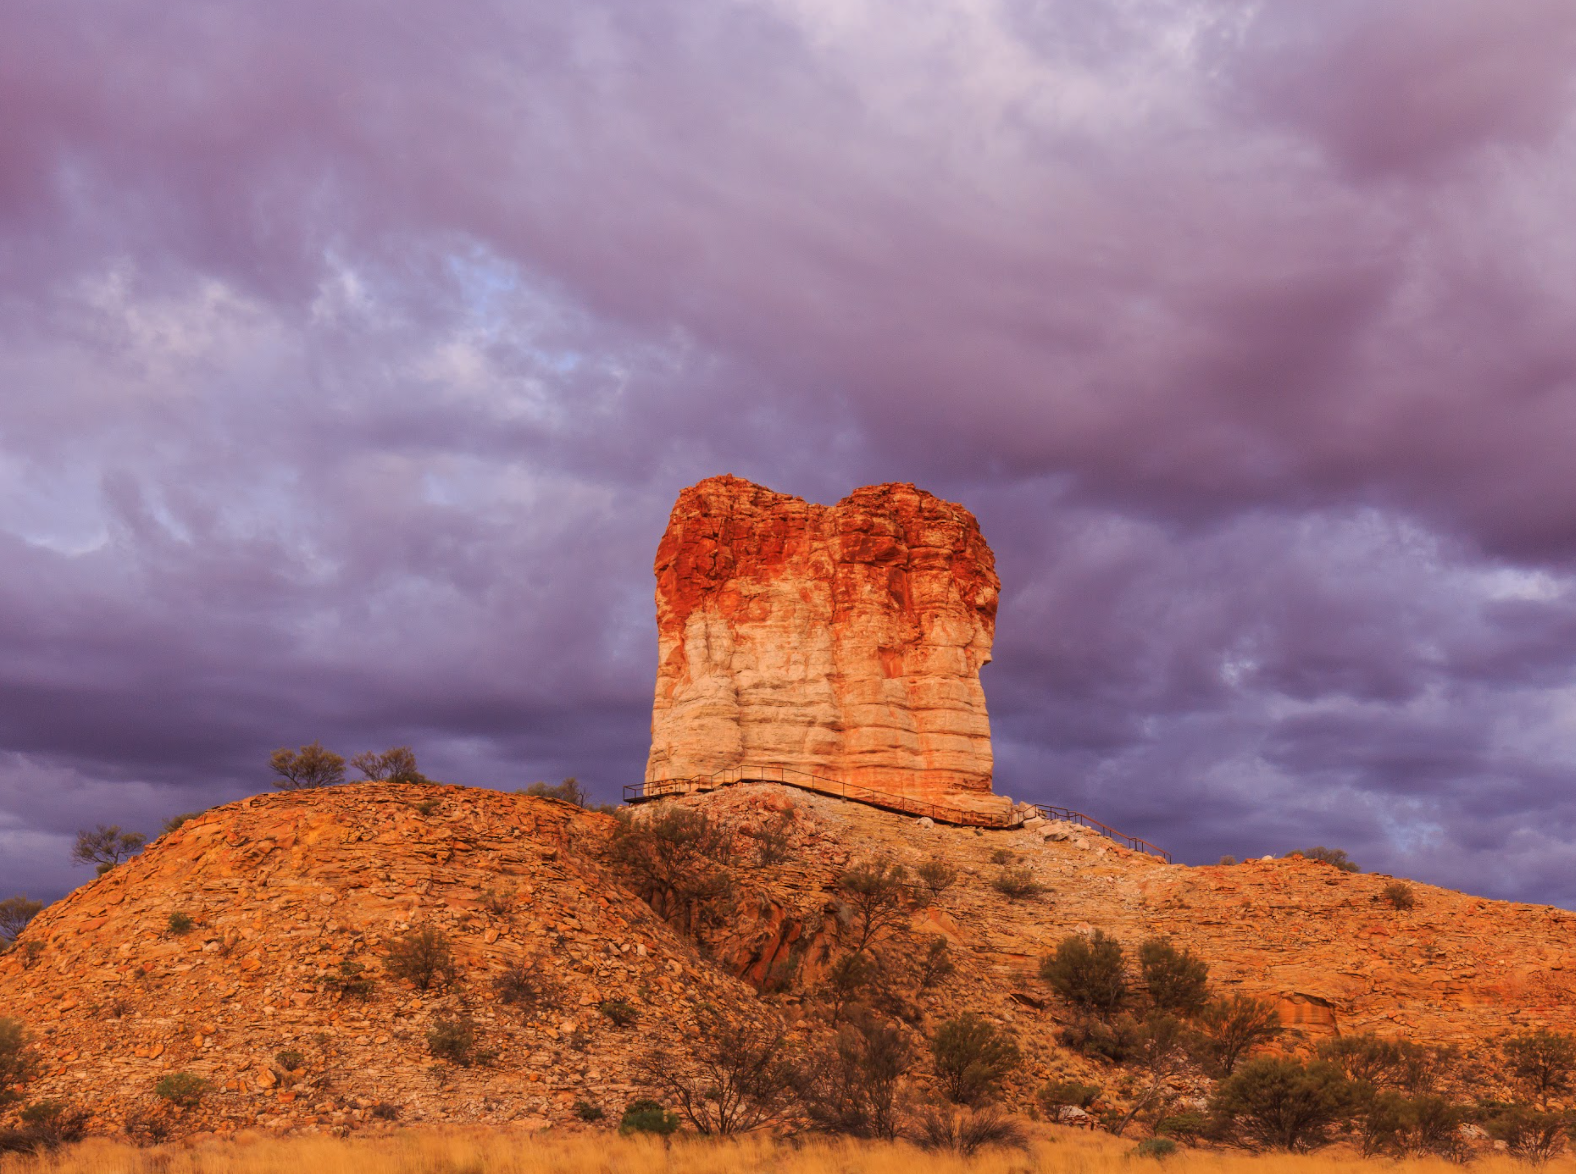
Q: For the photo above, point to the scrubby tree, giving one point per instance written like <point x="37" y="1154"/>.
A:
<point x="937" y="876"/>
<point x="1388" y="1063"/>
<point x="1089" y="972"/>
<point x="852" y="1085"/>
<point x="1535" y="1136"/>
<point x="1332" y="856"/>
<point x="1542" y="1062"/>
<point x="972" y="1058"/>
<point x="1177" y="980"/>
<point x="1231" y="1027"/>
<point x="875" y="895"/>
<point x="15" y="913"/>
<point x="176" y="821"/>
<point x="1275" y="1102"/>
<point x="308" y="768"/>
<point x="17" y="1061"/>
<point x="105" y="847"/>
<point x="732" y="1076"/>
<point x="676" y="859"/>
<point x="396" y="765"/>
<point x="570" y="791"/>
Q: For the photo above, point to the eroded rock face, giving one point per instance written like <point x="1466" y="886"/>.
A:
<point x="845" y="641"/>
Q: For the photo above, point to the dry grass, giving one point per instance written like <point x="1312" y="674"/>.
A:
<point x="503" y="1153"/>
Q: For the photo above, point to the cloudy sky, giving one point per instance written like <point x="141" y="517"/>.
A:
<point x="352" y="354"/>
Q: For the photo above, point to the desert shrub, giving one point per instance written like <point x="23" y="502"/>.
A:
<point x="1003" y="857"/>
<point x="1227" y="860"/>
<point x="1332" y="856"/>
<point x="395" y="765"/>
<point x="289" y="1060"/>
<point x="1115" y="1039"/>
<point x="184" y="1090"/>
<point x="15" y="913"/>
<point x="1177" y="980"/>
<point x="421" y="956"/>
<point x="527" y="988"/>
<point x="350" y="980"/>
<point x="1189" y="1126"/>
<point x="1017" y="883"/>
<point x="1231" y="1027"/>
<point x="849" y="979"/>
<point x="307" y="768"/>
<point x="773" y="839"/>
<point x="1088" y="972"/>
<point x="588" y="1111"/>
<point x="1541" y="1062"/>
<point x="499" y="904"/>
<point x="1278" y="1103"/>
<point x="385" y="1111"/>
<point x="874" y="894"/>
<point x="180" y="923"/>
<point x="1391" y="1123"/>
<point x="18" y="1062"/>
<point x="1400" y="895"/>
<point x="1388" y="1063"/>
<point x="648" y="1116"/>
<point x="1059" y="1094"/>
<point x="621" y="1012"/>
<point x="1535" y="1136"/>
<point x="966" y="1131"/>
<point x="935" y="964"/>
<point x="48" y="1125"/>
<point x="569" y="791"/>
<point x="1155" y="1147"/>
<point x="972" y="1058"/>
<point x="852" y="1085"/>
<point x="676" y="859"/>
<point x="936" y="875"/>
<point x="106" y="846"/>
<point x="454" y="1038"/>
<point x="176" y="821"/>
<point x="731" y="1077"/>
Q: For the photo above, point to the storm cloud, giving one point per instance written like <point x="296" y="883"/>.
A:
<point x="352" y="354"/>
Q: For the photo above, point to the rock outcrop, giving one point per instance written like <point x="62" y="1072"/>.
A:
<point x="843" y="641"/>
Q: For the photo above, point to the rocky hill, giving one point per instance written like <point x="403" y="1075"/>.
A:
<point x="286" y="894"/>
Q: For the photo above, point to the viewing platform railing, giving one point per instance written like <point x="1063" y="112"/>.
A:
<point x="886" y="800"/>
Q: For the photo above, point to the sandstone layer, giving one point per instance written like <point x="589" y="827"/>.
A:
<point x="842" y="641"/>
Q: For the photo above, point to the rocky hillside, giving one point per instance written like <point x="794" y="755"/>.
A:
<point x="287" y="894"/>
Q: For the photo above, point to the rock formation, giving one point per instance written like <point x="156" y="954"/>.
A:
<point x="843" y="641"/>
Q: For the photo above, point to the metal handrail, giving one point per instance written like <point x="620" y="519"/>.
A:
<point x="820" y="784"/>
<point x="1067" y="814"/>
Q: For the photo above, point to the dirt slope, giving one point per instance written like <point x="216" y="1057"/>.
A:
<point x="282" y="888"/>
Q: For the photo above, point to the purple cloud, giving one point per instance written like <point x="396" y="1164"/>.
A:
<point x="351" y="356"/>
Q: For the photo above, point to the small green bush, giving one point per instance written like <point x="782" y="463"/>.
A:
<point x="1177" y="980"/>
<point x="569" y="791"/>
<point x="1188" y="1126"/>
<point x="587" y="1111"/>
<point x="972" y="1058"/>
<point x="1281" y="1103"/>
<point x="526" y="988"/>
<point x="1227" y="860"/>
<point x="1332" y="856"/>
<point x="1088" y="972"/>
<point x="1059" y="1094"/>
<point x="1017" y="883"/>
<point x="621" y="1012"/>
<point x="935" y="964"/>
<point x="1155" y="1147"/>
<point x="647" y="1116"/>
<point x="18" y="1063"/>
<point x="1003" y="857"/>
<point x="184" y="1090"/>
<point x="385" y="1111"/>
<point x="454" y="1039"/>
<point x="15" y="913"/>
<point x="290" y="1060"/>
<point x="180" y="923"/>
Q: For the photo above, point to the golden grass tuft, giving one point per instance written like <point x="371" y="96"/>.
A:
<point x="517" y="1153"/>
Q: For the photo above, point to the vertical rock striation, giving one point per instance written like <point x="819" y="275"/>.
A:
<point x="844" y="641"/>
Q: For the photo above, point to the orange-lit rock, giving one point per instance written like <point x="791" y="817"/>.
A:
<point x="845" y="641"/>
